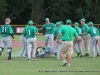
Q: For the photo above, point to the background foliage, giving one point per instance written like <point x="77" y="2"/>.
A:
<point x="20" y="11"/>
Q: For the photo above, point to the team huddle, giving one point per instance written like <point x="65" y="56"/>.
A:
<point x="66" y="38"/>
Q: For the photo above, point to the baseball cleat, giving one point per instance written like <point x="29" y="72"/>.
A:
<point x="33" y="59"/>
<point x="28" y="60"/>
<point x="81" y="56"/>
<point x="78" y="54"/>
<point x="86" y="54"/>
<point x="98" y="55"/>
<point x="64" y="63"/>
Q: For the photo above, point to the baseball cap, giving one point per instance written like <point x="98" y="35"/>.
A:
<point x="90" y="23"/>
<point x="57" y="23"/>
<point x="76" y="24"/>
<point x="47" y="19"/>
<point x="34" y="24"/>
<point x="82" y="19"/>
<point x="43" y="48"/>
<point x="61" y="22"/>
<point x="68" y="21"/>
<point x="30" y="22"/>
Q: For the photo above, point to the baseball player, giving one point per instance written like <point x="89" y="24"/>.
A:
<point x="67" y="33"/>
<point x="34" y="24"/>
<point x="30" y="33"/>
<point x="23" y="52"/>
<point x="57" y="29"/>
<point x="46" y="51"/>
<point x="94" y="33"/>
<point x="79" y="41"/>
<point x="48" y="27"/>
<point x="86" y="37"/>
<point x="5" y="31"/>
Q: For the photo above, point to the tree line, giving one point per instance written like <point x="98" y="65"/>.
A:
<point x="21" y="11"/>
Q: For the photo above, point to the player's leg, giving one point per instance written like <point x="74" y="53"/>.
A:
<point x="62" y="52"/>
<point x="58" y="49"/>
<point x="75" y="48"/>
<point x="29" y="49"/>
<point x="41" y="54"/>
<point x="96" y="46"/>
<point x="87" y="44"/>
<point x="9" y="49"/>
<point x="46" y="39"/>
<point x="46" y="55"/>
<point x="69" y="51"/>
<point x="2" y="46"/>
<point x="22" y="40"/>
<point x="51" y="37"/>
<point x="51" y="50"/>
<point x="93" y="41"/>
<point x="25" y="46"/>
<point x="33" y="49"/>
<point x="79" y="42"/>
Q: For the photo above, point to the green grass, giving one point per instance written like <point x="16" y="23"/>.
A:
<point x="47" y="66"/>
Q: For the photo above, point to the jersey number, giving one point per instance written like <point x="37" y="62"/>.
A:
<point x="94" y="30"/>
<point x="80" y="31"/>
<point x="3" y="29"/>
<point x="29" y="32"/>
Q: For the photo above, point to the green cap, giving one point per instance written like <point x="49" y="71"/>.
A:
<point x="57" y="23"/>
<point x="76" y="24"/>
<point x="30" y="22"/>
<point x="68" y="21"/>
<point x="90" y="23"/>
<point x="61" y="22"/>
<point x="43" y="48"/>
<point x="47" y="19"/>
<point x="83" y="19"/>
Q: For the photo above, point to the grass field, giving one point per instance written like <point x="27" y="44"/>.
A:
<point x="47" y="66"/>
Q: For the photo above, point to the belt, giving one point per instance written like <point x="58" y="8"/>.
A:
<point x="63" y="40"/>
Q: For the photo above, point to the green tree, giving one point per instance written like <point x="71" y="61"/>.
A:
<point x="19" y="11"/>
<point x="3" y="10"/>
<point x="73" y="9"/>
<point x="37" y="9"/>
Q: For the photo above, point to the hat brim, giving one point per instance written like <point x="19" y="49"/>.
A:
<point x="81" y="20"/>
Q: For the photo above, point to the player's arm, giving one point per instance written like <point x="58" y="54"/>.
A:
<point x="11" y="33"/>
<point x="42" y="28"/>
<point x="12" y="37"/>
<point x="76" y="36"/>
<point x="59" y="35"/>
<point x="39" y="33"/>
<point x="85" y="33"/>
<point x="54" y="35"/>
<point x="39" y="47"/>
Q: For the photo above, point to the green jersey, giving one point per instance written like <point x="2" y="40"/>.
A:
<point x="56" y="31"/>
<point x="29" y="32"/>
<point x="43" y="49"/>
<point x="6" y="30"/>
<point x="49" y="29"/>
<point x="93" y="31"/>
<point x="24" y="29"/>
<point x="78" y="30"/>
<point x="35" y="29"/>
<point x="67" y="33"/>
<point x="85" y="28"/>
